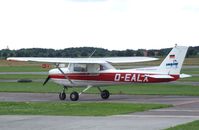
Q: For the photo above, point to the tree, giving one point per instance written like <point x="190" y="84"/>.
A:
<point x="140" y="52"/>
<point x="87" y="51"/>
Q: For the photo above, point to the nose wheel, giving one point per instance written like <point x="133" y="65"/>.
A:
<point x="74" y="96"/>
<point x="62" y="96"/>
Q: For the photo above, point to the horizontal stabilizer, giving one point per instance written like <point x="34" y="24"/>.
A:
<point x="160" y="76"/>
<point x="185" y="76"/>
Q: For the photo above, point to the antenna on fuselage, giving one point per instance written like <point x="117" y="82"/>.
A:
<point x="92" y="53"/>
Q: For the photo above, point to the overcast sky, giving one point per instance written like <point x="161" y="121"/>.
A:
<point x="111" y="24"/>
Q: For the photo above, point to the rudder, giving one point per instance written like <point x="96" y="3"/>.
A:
<point x="172" y="64"/>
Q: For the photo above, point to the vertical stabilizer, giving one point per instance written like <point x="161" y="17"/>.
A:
<point x="172" y="64"/>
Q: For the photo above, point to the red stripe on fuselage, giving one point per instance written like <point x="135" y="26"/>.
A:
<point x="117" y="77"/>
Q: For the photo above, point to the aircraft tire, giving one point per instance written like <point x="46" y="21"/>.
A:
<point x="74" y="96"/>
<point x="105" y="94"/>
<point x="62" y="96"/>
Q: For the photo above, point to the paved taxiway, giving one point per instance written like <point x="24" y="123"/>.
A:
<point x="185" y="110"/>
<point x="132" y="122"/>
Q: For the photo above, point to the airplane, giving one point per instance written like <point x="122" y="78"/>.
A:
<point x="96" y="72"/>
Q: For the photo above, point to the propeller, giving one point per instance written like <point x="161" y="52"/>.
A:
<point x="66" y="77"/>
<point x="46" y="80"/>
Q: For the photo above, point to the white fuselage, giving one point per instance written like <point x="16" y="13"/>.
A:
<point x="105" y="77"/>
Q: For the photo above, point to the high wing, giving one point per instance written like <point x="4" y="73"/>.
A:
<point x="84" y="60"/>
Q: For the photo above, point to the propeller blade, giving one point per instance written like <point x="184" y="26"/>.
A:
<point x="46" y="80"/>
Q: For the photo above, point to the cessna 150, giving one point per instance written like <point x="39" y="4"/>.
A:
<point x="90" y="72"/>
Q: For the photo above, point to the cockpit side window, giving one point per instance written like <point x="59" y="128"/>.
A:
<point x="102" y="68"/>
<point x="89" y="67"/>
<point x="80" y="68"/>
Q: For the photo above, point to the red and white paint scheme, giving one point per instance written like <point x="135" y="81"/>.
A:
<point x="90" y="72"/>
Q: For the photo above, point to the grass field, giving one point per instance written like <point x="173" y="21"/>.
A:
<point x="151" y="89"/>
<point x="22" y="76"/>
<point x="189" y="126"/>
<point x="188" y="61"/>
<point x="22" y="69"/>
<point x="73" y="109"/>
<point x="190" y="71"/>
<point x="33" y="87"/>
<point x="13" y="66"/>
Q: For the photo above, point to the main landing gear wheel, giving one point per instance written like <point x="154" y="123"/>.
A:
<point x="105" y="94"/>
<point x="74" y="96"/>
<point x="62" y="96"/>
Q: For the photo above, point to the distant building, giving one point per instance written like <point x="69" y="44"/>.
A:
<point x="7" y="48"/>
<point x="145" y="52"/>
<point x="156" y="53"/>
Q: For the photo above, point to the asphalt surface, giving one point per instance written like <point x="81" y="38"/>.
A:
<point x="133" y="122"/>
<point x="186" y="109"/>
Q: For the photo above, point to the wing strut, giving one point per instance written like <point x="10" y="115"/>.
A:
<point x="88" y="87"/>
<point x="64" y="74"/>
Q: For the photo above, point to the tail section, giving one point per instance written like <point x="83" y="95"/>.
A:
<point x="172" y="64"/>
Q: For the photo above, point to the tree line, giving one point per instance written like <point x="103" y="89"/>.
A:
<point x="87" y="51"/>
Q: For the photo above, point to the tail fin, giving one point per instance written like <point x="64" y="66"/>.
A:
<point x="172" y="64"/>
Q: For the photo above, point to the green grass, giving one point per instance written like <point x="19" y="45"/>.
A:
<point x="22" y="69"/>
<point x="191" y="61"/>
<point x="188" y="61"/>
<point x="189" y="126"/>
<point x="73" y="109"/>
<point x="143" y="89"/>
<point x="13" y="66"/>
<point x="22" y="76"/>
<point x="190" y="71"/>
<point x="33" y="87"/>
